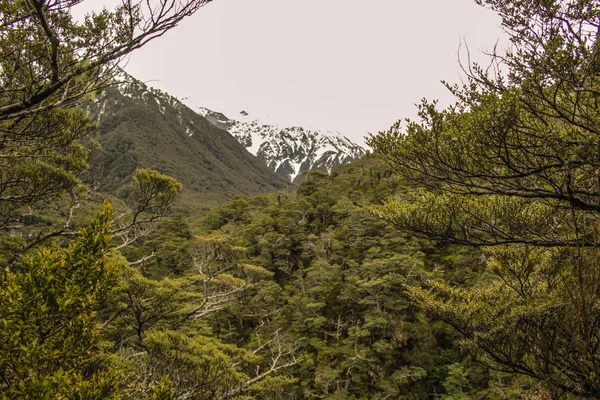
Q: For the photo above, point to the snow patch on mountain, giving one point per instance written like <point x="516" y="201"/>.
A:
<point x="289" y="151"/>
<point x="128" y="86"/>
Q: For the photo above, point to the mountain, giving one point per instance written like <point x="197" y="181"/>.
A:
<point x="142" y="127"/>
<point x="288" y="150"/>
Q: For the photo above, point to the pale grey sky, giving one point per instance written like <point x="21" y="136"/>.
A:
<point x="351" y="66"/>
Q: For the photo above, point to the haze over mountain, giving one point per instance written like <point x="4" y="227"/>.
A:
<point x="288" y="151"/>
<point x="141" y="127"/>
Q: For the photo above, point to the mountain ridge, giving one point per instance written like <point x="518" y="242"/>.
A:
<point x="143" y="127"/>
<point x="288" y="151"/>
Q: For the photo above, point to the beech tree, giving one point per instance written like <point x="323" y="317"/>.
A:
<point x="50" y="64"/>
<point x="514" y="166"/>
<point x="48" y="331"/>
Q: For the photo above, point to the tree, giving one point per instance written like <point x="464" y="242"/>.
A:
<point x="48" y="329"/>
<point x="152" y="196"/>
<point x="161" y="327"/>
<point x="514" y="165"/>
<point x="338" y="273"/>
<point x="49" y="64"/>
<point x="67" y="59"/>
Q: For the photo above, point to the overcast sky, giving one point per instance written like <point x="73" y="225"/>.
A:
<point x="351" y="66"/>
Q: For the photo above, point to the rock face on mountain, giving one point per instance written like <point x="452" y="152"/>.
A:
<point x="141" y="127"/>
<point x="288" y="150"/>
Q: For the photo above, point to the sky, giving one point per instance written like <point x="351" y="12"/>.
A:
<point x="351" y="66"/>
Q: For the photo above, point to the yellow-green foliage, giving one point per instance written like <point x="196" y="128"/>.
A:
<point x="48" y="325"/>
<point x="198" y="366"/>
<point x="536" y="316"/>
<point x="155" y="192"/>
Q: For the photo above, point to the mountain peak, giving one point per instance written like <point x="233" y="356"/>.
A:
<point x="143" y="127"/>
<point x="289" y="151"/>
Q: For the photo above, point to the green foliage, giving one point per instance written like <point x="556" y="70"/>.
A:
<point x="170" y="246"/>
<point x="534" y="319"/>
<point x="141" y="304"/>
<point x="158" y="326"/>
<point x="37" y="166"/>
<point x="155" y="192"/>
<point x="163" y="390"/>
<point x="514" y="164"/>
<point x="338" y="291"/>
<point x="49" y="64"/>
<point x="198" y="366"/>
<point x="48" y="325"/>
<point x="302" y="294"/>
<point x="50" y="336"/>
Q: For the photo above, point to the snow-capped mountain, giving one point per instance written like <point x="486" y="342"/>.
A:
<point x="288" y="150"/>
<point x="142" y="127"/>
<point x="129" y="87"/>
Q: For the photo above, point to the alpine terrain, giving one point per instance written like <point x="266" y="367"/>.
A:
<point x="142" y="127"/>
<point x="288" y="150"/>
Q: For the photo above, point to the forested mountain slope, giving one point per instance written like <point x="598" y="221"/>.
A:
<point x="141" y="127"/>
